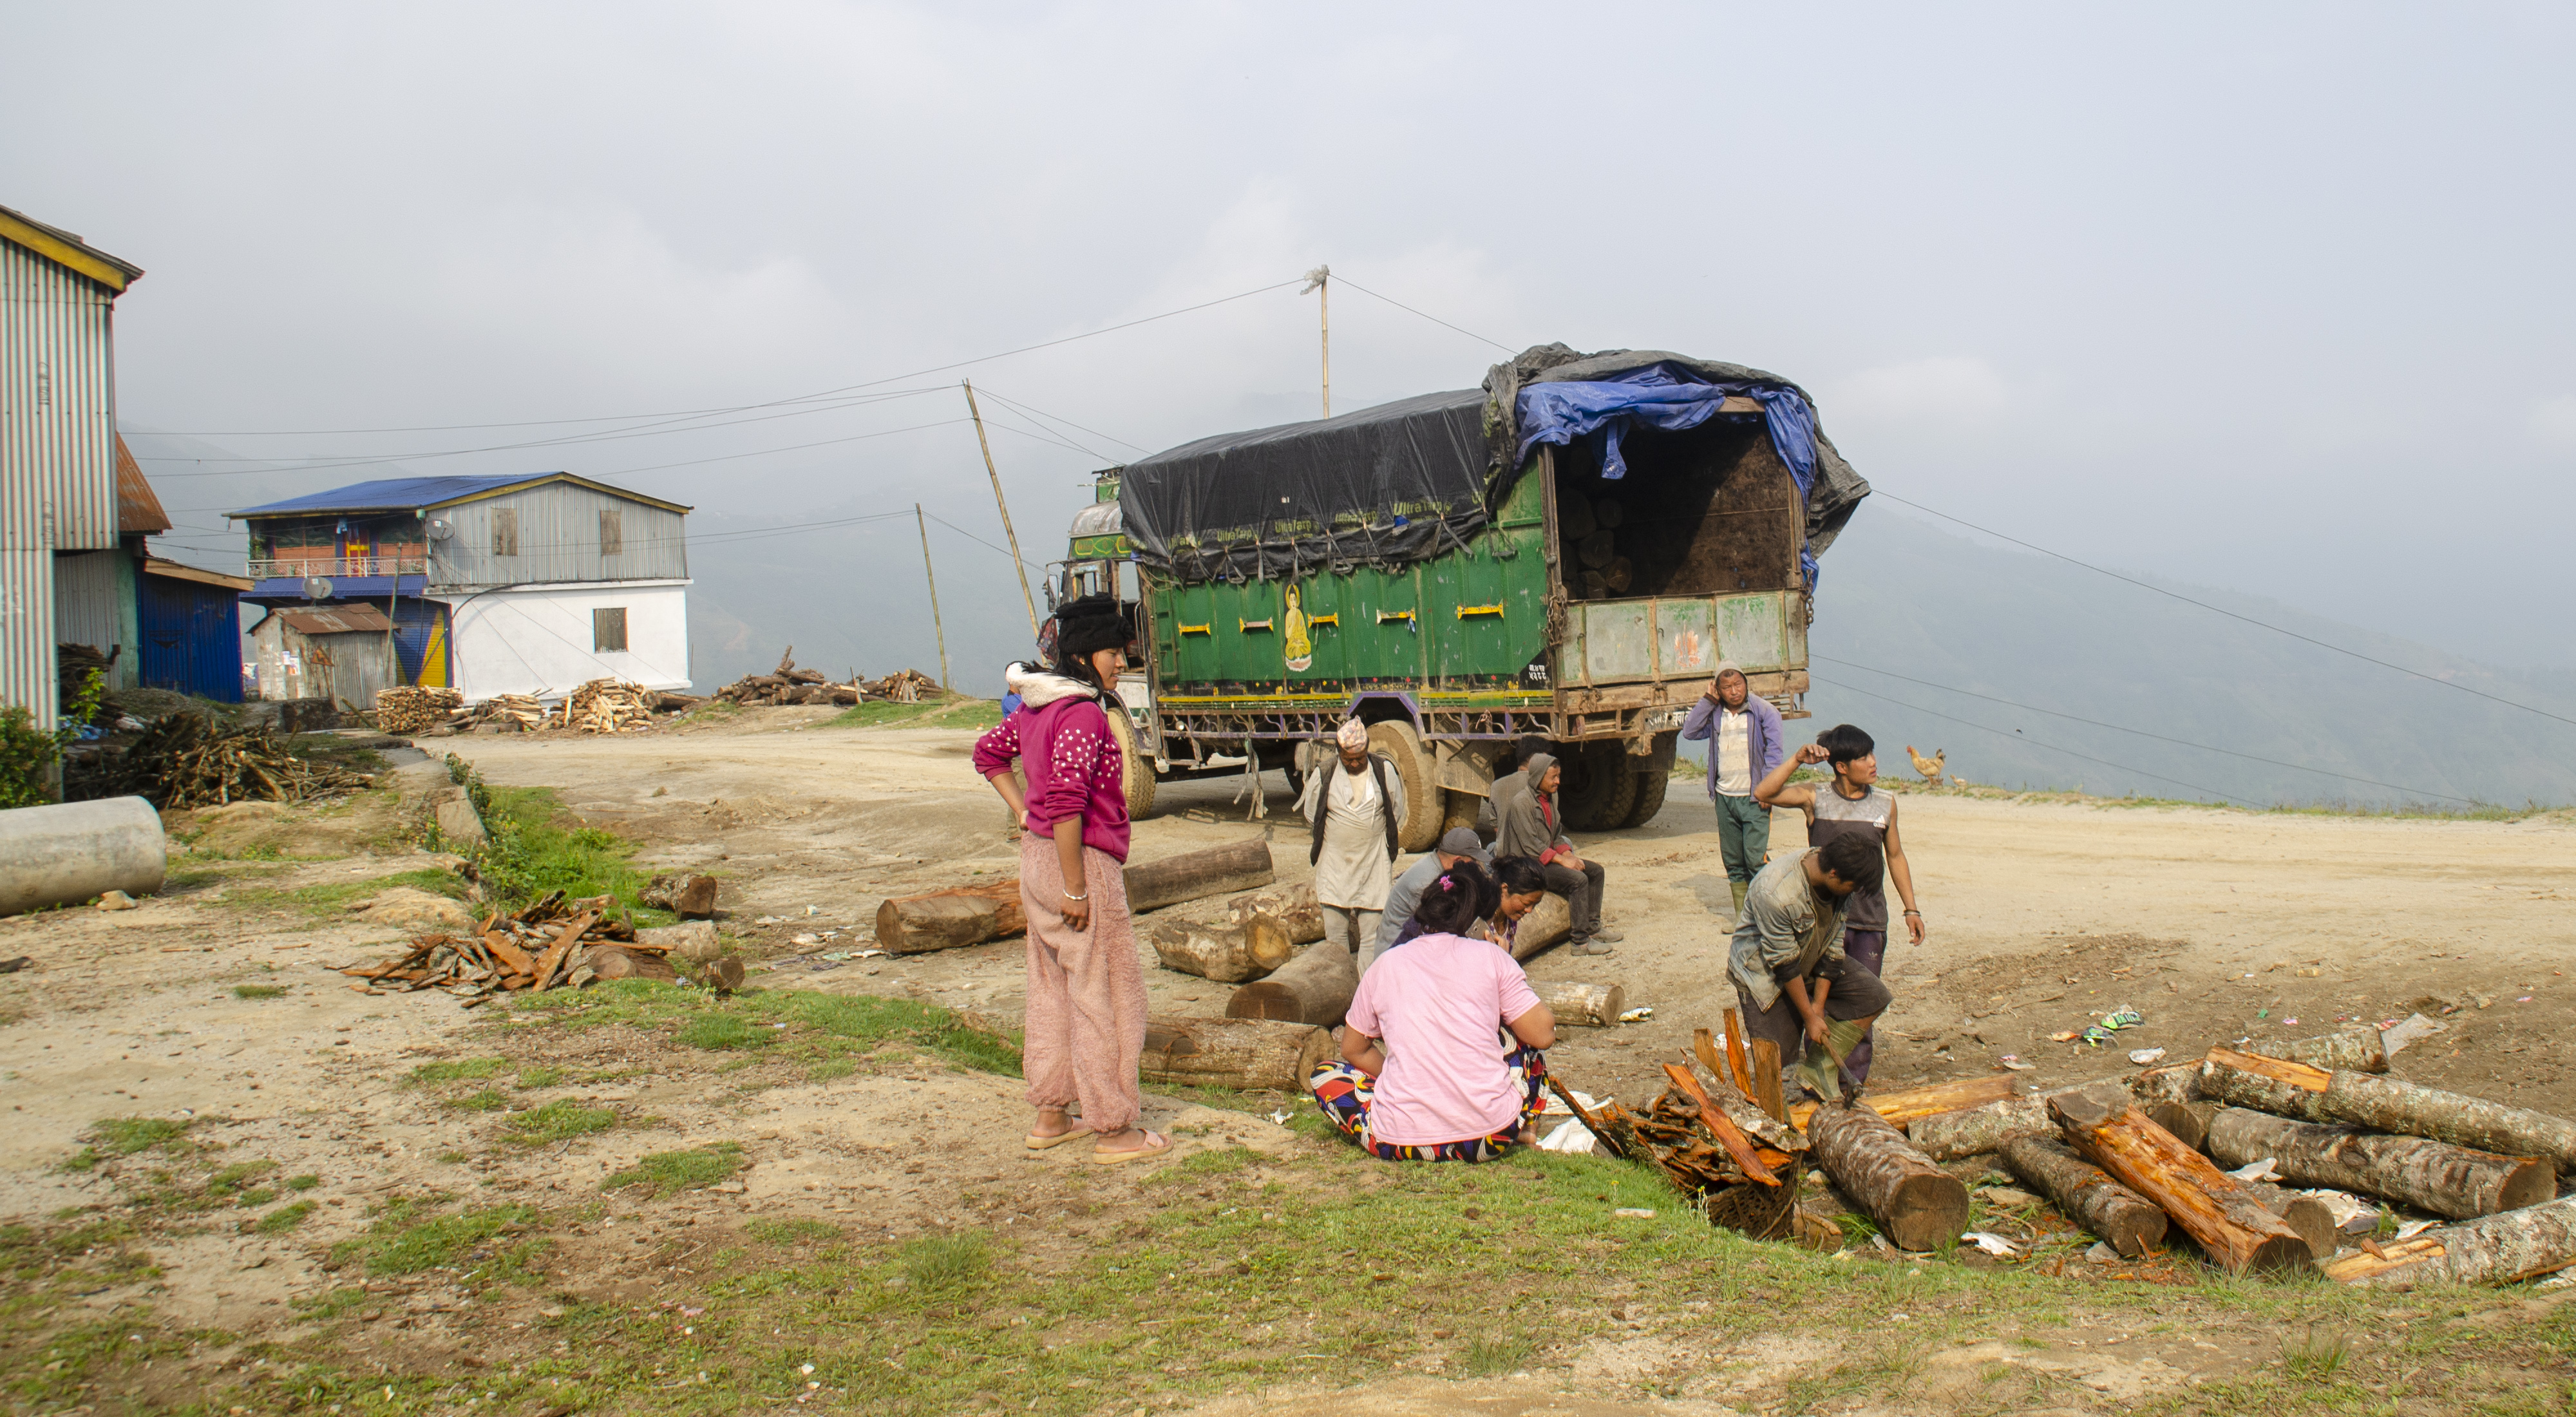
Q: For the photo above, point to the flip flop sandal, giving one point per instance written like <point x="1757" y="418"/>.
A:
<point x="1142" y="1153"/>
<point x="1039" y="1143"/>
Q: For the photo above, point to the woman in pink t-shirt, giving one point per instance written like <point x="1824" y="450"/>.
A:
<point x="1441" y="1046"/>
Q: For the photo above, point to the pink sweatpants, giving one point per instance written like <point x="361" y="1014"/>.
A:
<point x="1085" y="1029"/>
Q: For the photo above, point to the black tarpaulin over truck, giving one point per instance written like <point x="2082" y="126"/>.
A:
<point x="1410" y="480"/>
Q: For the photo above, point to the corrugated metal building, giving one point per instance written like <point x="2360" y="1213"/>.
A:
<point x="160" y="624"/>
<point x="521" y="585"/>
<point x="336" y="652"/>
<point x="190" y="628"/>
<point x="57" y="434"/>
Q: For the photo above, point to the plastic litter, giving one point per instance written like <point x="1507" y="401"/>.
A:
<point x="1634" y="1212"/>
<point x="2143" y="1056"/>
<point x="2015" y="1063"/>
<point x="2414" y="1028"/>
<point x="1638" y="1015"/>
<point x="2064" y="1036"/>
<point x="1995" y="1245"/>
<point x="1569" y="1136"/>
<point x="2102" y="1253"/>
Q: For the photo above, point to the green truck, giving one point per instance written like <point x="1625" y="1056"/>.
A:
<point x="1566" y="552"/>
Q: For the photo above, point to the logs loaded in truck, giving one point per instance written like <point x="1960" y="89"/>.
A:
<point x="1565" y="553"/>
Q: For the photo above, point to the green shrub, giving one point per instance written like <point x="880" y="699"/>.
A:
<point x="28" y="753"/>
<point x="668" y="1171"/>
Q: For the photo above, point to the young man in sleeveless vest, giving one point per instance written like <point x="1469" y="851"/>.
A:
<point x="1852" y="806"/>
<point x="1354" y="807"/>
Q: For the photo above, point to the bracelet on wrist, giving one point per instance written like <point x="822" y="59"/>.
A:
<point x="1071" y="896"/>
<point x="1914" y="912"/>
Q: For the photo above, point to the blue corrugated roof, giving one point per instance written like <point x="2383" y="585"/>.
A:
<point x="411" y="494"/>
<point x="393" y="494"/>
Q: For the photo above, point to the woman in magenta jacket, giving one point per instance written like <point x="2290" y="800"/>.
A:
<point x="1085" y="1030"/>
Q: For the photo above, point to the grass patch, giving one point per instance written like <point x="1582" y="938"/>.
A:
<point x="666" y="1171"/>
<point x="560" y="1120"/>
<point x="283" y="1219"/>
<point x="956" y="713"/>
<point x="484" y="1101"/>
<point x="826" y="1031"/>
<point x="412" y="1235"/>
<point x="789" y="1232"/>
<point x="725" y="1031"/>
<point x="335" y="897"/>
<point x="946" y="1261"/>
<point x="530" y="1079"/>
<point x="457" y="1070"/>
<point x="302" y="1183"/>
<point x="259" y="991"/>
<point x="1495" y="1356"/>
<point x="538" y="848"/>
<point x="124" y="1136"/>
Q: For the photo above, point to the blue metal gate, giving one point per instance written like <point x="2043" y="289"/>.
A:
<point x="191" y="637"/>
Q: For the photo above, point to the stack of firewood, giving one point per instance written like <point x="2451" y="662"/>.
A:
<point x="520" y="712"/>
<point x="904" y="686"/>
<point x="555" y="943"/>
<point x="2254" y="1153"/>
<point x="412" y="708"/>
<point x="788" y="684"/>
<point x="184" y="761"/>
<point x="605" y="706"/>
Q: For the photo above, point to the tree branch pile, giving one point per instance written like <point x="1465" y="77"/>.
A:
<point x="553" y="944"/>
<point x="183" y="761"/>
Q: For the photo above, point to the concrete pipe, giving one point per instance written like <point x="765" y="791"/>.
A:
<point x="66" y="854"/>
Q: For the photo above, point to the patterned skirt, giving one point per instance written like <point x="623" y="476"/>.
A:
<point x="1344" y="1094"/>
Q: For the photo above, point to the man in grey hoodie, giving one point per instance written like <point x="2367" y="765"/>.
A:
<point x="1531" y="826"/>
<point x="1744" y="744"/>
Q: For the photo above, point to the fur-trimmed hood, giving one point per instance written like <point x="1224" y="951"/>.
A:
<point x="1037" y="688"/>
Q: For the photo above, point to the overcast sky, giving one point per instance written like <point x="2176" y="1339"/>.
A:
<point x="2270" y="298"/>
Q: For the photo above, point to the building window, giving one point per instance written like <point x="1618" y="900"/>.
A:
<point x="608" y="631"/>
<point x="505" y="531"/>
<point x="612" y="531"/>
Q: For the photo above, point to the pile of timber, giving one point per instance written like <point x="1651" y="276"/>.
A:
<point x="1713" y="1144"/>
<point x="553" y="944"/>
<point x="182" y="760"/>
<point x="605" y="706"/>
<point x="904" y="686"/>
<point x="788" y="684"/>
<point x="415" y="708"/>
<point x="515" y="712"/>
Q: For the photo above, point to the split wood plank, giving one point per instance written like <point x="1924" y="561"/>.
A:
<point x="2104" y="1124"/>
<point x="2125" y="1220"/>
<point x="1902" y="1108"/>
<point x="1720" y="1125"/>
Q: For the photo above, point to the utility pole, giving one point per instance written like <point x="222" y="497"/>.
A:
<point x="1014" y="537"/>
<point x="1320" y="279"/>
<point x="932" y="577"/>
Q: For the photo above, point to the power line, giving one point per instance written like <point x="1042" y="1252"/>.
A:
<point x="2142" y="733"/>
<point x="970" y="536"/>
<point x="2230" y="614"/>
<point x="1059" y="418"/>
<point x="1400" y="305"/>
<point x="868" y="384"/>
<point x="2025" y="738"/>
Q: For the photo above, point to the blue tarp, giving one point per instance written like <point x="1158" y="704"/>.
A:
<point x="1667" y="397"/>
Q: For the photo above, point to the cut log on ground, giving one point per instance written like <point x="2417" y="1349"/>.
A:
<point x="2232" y="1226"/>
<point x="695" y="898"/>
<point x="2311" y="1217"/>
<point x="1917" y="1205"/>
<point x="965" y="916"/>
<point x="1948" y="1136"/>
<point x="611" y="962"/>
<point x="2188" y="1121"/>
<point x="1225" y="952"/>
<point x="2352" y="1050"/>
<point x="2499" y="1249"/>
<point x="1901" y="1108"/>
<point x="2434" y="1176"/>
<point x="2177" y="1083"/>
<point x="1547" y="924"/>
<point x="1589" y="1005"/>
<point x="1196" y="875"/>
<point x="2384" y="1104"/>
<point x="2124" y="1219"/>
<point x="1314" y="988"/>
<point x="1242" y="1053"/>
<point x="1291" y="908"/>
<point x="911" y="925"/>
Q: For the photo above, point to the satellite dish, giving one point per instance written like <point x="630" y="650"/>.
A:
<point x="440" y="528"/>
<point x="317" y="587"/>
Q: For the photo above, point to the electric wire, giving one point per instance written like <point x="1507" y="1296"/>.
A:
<point x="1059" y="418"/>
<point x="2142" y="733"/>
<point x="2025" y="738"/>
<point x="1339" y="279"/>
<point x="2230" y="614"/>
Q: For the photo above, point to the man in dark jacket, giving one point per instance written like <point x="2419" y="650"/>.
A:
<point x="1530" y="825"/>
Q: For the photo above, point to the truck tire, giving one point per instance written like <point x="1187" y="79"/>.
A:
<point x="1136" y="771"/>
<point x="1650" y="796"/>
<point x="1424" y="804"/>
<point x="1599" y="789"/>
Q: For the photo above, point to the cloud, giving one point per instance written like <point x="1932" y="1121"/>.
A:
<point x="1959" y="391"/>
<point x="2553" y="421"/>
